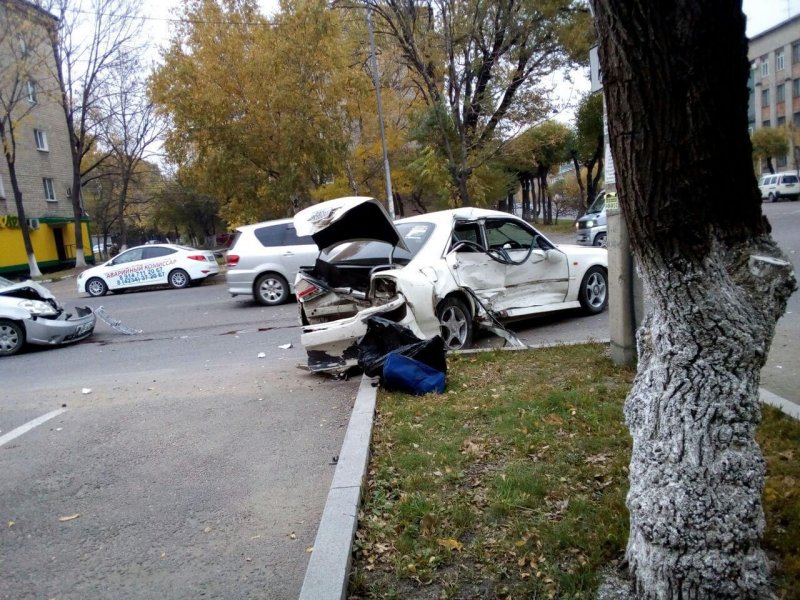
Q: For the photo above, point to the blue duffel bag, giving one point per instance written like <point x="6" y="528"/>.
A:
<point x="405" y="374"/>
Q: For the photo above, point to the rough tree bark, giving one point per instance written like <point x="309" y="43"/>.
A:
<point x="675" y="79"/>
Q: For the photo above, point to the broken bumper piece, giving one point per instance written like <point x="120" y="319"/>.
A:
<point x="333" y="346"/>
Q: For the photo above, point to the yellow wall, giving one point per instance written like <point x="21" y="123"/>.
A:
<point x="12" y="248"/>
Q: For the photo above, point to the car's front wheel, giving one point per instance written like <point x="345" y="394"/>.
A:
<point x="271" y="289"/>
<point x="600" y="240"/>
<point x="593" y="294"/>
<point x="12" y="337"/>
<point x="773" y="197"/>
<point x="455" y="322"/>
<point x="179" y="279"/>
<point x="96" y="287"/>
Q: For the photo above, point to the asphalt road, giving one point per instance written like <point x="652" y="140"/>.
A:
<point x="197" y="468"/>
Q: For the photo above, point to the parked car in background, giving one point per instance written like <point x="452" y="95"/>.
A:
<point x="149" y="265"/>
<point x="29" y="313"/>
<point x="442" y="273"/>
<point x="264" y="258"/>
<point x="592" y="228"/>
<point x="780" y="185"/>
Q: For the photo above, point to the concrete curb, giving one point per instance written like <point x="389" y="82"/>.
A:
<point x="328" y="570"/>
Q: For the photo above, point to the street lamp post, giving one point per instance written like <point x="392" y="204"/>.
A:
<point x="376" y="80"/>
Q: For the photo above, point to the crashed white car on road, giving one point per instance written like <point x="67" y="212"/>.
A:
<point x="439" y="273"/>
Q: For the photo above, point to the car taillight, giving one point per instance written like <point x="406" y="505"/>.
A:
<point x="199" y="257"/>
<point x="305" y="290"/>
<point x="233" y="260"/>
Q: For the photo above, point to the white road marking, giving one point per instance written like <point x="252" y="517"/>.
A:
<point x="15" y="433"/>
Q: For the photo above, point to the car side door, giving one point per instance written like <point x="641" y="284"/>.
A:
<point x="123" y="270"/>
<point x="156" y="265"/>
<point x="471" y="266"/>
<point x="536" y="272"/>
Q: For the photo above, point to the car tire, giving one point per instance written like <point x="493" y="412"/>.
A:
<point x="593" y="294"/>
<point x="773" y="197"/>
<point x="179" y="279"/>
<point x="271" y="289"/>
<point x="96" y="287"/>
<point x="600" y="240"/>
<point x="12" y="337"/>
<point x="455" y="322"/>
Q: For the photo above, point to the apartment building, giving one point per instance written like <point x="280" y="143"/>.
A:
<point x="43" y="164"/>
<point x="775" y="85"/>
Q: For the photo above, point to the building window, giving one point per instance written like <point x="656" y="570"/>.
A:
<point x="49" y="189"/>
<point x="781" y="121"/>
<point x="796" y="119"/>
<point x="765" y="98"/>
<point x="2" y="189"/>
<point x="778" y="60"/>
<point x="24" y="50"/>
<point x="780" y="93"/>
<point x="780" y="161"/>
<point x="764" y="66"/>
<point x="41" y="140"/>
<point x="765" y="123"/>
<point x="31" y="91"/>
<point x="796" y="53"/>
<point x="796" y="88"/>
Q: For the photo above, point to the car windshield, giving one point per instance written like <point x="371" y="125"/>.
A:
<point x="598" y="205"/>
<point x="414" y="235"/>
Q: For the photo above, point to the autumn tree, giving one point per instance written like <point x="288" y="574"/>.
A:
<point x="256" y="105"/>
<point x="25" y="33"/>
<point x="675" y="78"/>
<point x="480" y="66"/>
<point x="587" y="146"/>
<point x="94" y="38"/>
<point x="769" y="143"/>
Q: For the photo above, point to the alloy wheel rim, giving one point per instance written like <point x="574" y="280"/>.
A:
<point x="596" y="290"/>
<point x="8" y="338"/>
<point x="272" y="290"/>
<point x="454" y="327"/>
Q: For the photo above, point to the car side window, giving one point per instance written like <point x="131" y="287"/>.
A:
<point x="508" y="235"/>
<point x="466" y="232"/>
<point x="271" y="235"/>
<point x="156" y="252"/>
<point x="290" y="238"/>
<point x="129" y="256"/>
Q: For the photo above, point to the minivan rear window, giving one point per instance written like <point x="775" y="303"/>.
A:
<point x="789" y="179"/>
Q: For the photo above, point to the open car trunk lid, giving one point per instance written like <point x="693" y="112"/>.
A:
<point x="349" y="218"/>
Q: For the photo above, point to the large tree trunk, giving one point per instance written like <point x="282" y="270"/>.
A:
<point x="675" y="79"/>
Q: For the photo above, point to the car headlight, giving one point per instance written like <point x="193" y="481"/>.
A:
<point x="589" y="224"/>
<point x="38" y="308"/>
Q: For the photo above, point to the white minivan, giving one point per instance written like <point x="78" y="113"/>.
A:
<point x="779" y="185"/>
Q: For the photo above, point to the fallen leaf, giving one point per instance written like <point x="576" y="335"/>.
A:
<point x="69" y="517"/>
<point x="553" y="419"/>
<point x="450" y="544"/>
<point x="11" y="523"/>
<point x="310" y="549"/>
<point x="292" y="536"/>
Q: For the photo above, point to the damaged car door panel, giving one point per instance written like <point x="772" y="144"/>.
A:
<point x="437" y="273"/>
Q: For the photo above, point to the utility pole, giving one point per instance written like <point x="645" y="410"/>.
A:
<point x="376" y="80"/>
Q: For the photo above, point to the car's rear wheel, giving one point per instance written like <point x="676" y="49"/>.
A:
<point x="455" y="321"/>
<point x="271" y="289"/>
<point x="12" y="337"/>
<point x="179" y="279"/>
<point x="593" y="294"/>
<point x="96" y="287"/>
<point x="600" y="240"/>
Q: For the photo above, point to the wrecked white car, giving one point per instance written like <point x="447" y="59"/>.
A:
<point x="439" y="273"/>
<point x="29" y="313"/>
